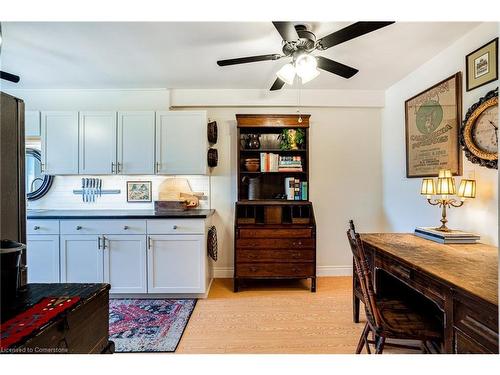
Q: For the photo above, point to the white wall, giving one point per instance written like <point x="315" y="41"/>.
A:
<point x="97" y="100"/>
<point x="403" y="206"/>
<point x="345" y="179"/>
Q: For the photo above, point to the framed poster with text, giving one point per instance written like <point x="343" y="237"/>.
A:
<point x="432" y="121"/>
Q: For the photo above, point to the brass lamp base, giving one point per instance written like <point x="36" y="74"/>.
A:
<point x="444" y="203"/>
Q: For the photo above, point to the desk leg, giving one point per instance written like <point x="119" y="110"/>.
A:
<point x="448" y="322"/>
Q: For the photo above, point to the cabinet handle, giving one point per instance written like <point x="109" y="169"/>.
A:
<point x="149" y="242"/>
<point x="125" y="227"/>
<point x="112" y="167"/>
<point x="118" y="168"/>
<point x="103" y="242"/>
<point x="36" y="227"/>
<point x="98" y="243"/>
<point x="157" y="167"/>
<point x="174" y="227"/>
<point x="78" y="227"/>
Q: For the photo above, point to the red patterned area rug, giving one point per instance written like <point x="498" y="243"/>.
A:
<point x="148" y="325"/>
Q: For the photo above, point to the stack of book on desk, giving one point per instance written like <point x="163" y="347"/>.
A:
<point x="452" y="236"/>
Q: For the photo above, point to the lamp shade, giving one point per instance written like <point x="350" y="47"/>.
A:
<point x="428" y="187"/>
<point x="444" y="173"/>
<point x="445" y="186"/>
<point x="287" y="73"/>
<point x="467" y="189"/>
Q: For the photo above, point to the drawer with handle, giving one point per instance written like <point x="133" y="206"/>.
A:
<point x="275" y="243"/>
<point x="103" y="227"/>
<point x="275" y="233"/>
<point x="176" y="226"/>
<point x="275" y="270"/>
<point x="243" y="256"/>
<point x="42" y="227"/>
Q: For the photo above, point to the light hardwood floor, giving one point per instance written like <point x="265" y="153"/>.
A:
<point x="282" y="318"/>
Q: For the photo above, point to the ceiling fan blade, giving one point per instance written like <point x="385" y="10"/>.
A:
<point x="286" y="30"/>
<point x="335" y="67"/>
<point x="9" y="77"/>
<point x="277" y="85"/>
<point x="350" y="32"/>
<point x="244" y="60"/>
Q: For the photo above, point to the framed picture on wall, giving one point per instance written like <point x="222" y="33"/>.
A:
<point x="432" y="120"/>
<point x="139" y="191"/>
<point x="482" y="65"/>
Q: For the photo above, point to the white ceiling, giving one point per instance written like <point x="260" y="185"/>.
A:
<point x="184" y="55"/>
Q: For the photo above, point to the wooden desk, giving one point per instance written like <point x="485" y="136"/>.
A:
<point x="462" y="280"/>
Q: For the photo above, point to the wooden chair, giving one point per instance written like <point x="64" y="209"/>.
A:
<point x="389" y="318"/>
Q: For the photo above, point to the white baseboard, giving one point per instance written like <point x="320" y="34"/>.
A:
<point x="227" y="272"/>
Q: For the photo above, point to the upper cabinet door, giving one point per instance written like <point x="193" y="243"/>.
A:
<point x="181" y="142"/>
<point x="97" y="143"/>
<point x="60" y="142"/>
<point x="136" y="142"/>
<point x="32" y="124"/>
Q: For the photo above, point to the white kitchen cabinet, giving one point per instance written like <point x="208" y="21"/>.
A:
<point x="136" y="142"/>
<point x="181" y="142"/>
<point x="176" y="264"/>
<point x="97" y="143"/>
<point x="59" y="142"/>
<point x="42" y="256"/>
<point x="81" y="259"/>
<point x="32" y="126"/>
<point x="125" y="263"/>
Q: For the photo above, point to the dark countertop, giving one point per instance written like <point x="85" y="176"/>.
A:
<point x="117" y="214"/>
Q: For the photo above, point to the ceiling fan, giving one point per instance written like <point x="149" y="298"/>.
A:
<point x="299" y="43"/>
<point x="4" y="75"/>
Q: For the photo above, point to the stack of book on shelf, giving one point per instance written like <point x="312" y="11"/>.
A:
<point x="269" y="162"/>
<point x="290" y="164"/>
<point x="452" y="236"/>
<point x="295" y="189"/>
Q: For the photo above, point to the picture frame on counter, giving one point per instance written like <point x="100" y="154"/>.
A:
<point x="432" y="124"/>
<point x="139" y="191"/>
<point x="482" y="65"/>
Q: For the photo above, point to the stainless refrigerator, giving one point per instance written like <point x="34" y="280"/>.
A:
<point x="12" y="180"/>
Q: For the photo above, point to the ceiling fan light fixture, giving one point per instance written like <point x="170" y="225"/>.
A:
<point x="309" y="76"/>
<point x="287" y="73"/>
<point x="306" y="65"/>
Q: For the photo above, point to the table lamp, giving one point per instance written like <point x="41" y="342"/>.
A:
<point x="444" y="187"/>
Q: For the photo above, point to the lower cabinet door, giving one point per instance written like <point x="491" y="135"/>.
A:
<point x="42" y="256"/>
<point x="81" y="259"/>
<point x="125" y="263"/>
<point x="176" y="264"/>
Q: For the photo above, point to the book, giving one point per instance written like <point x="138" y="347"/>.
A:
<point x="446" y="240"/>
<point x="289" y="188"/>
<point x="303" y="191"/>
<point x="457" y="234"/>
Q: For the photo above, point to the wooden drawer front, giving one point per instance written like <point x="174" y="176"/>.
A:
<point x="275" y="233"/>
<point x="478" y="322"/>
<point x="275" y="270"/>
<point x="276" y="243"/>
<point x="176" y="226"/>
<point x="466" y="345"/>
<point x="103" y="227"/>
<point x="243" y="256"/>
<point x="42" y="227"/>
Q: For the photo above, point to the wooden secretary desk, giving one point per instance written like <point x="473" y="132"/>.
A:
<point x="460" y="279"/>
<point x="275" y="237"/>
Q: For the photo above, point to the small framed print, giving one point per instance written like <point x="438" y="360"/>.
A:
<point x="138" y="191"/>
<point x="482" y="65"/>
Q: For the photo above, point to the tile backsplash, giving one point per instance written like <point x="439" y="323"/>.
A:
<point x="61" y="196"/>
